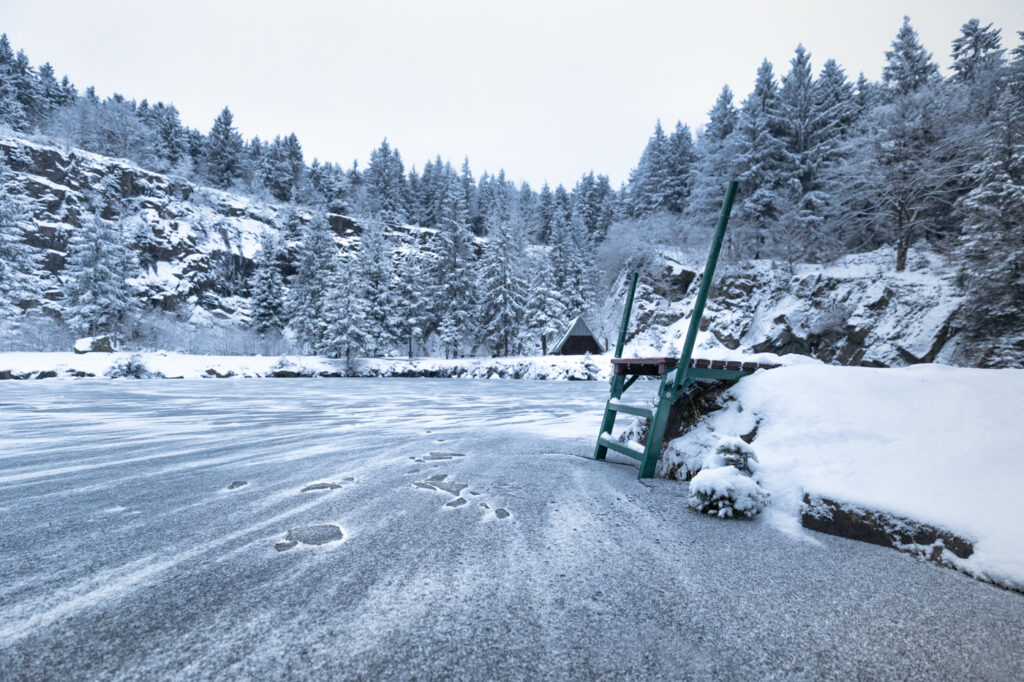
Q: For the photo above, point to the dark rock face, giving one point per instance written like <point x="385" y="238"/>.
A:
<point x="856" y="523"/>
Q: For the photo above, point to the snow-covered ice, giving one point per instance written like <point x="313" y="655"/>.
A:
<point x="144" y="525"/>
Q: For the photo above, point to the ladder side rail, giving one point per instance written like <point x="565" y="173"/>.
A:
<point x="705" y="286"/>
<point x="625" y="316"/>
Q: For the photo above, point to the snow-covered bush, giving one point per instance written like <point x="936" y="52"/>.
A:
<point x="726" y="492"/>
<point x="725" y="486"/>
<point x="131" y="367"/>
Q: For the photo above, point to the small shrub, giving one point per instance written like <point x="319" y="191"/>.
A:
<point x="131" y="367"/>
<point x="727" y="492"/>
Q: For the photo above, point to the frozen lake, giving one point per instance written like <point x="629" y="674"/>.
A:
<point x="125" y="552"/>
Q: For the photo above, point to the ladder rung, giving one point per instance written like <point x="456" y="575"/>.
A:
<point x="631" y="409"/>
<point x="625" y="448"/>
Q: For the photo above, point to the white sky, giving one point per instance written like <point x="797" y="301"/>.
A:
<point x="545" y="90"/>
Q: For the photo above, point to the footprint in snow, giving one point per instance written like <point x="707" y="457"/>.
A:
<point x="436" y="457"/>
<point x="325" y="485"/>
<point x="440" y="483"/>
<point x="310" y="535"/>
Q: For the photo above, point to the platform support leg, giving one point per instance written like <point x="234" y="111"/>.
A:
<point x="608" y="422"/>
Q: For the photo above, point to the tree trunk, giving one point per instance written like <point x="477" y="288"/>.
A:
<point x="543" y="345"/>
<point x="902" y="243"/>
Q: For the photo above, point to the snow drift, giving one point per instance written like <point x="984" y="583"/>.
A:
<point x="935" y="444"/>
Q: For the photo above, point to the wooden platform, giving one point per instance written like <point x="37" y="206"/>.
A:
<point x="661" y="366"/>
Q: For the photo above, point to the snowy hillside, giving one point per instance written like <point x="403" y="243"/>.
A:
<point x="197" y="249"/>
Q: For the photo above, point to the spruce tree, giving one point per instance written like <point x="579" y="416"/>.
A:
<point x="267" y="290"/>
<point x="452" y="283"/>
<point x="384" y="180"/>
<point x="648" y="181"/>
<point x="307" y="288"/>
<point x="20" y="264"/>
<point x="345" y="313"/>
<point x="377" y="277"/>
<point x="714" y="165"/>
<point x="412" y="301"/>
<point x="976" y="49"/>
<point x="761" y="159"/>
<point x="501" y="287"/>
<point x="223" y="153"/>
<point x="544" y="312"/>
<point x="680" y="157"/>
<point x="97" y="295"/>
<point x="991" y="246"/>
<point x="908" y="66"/>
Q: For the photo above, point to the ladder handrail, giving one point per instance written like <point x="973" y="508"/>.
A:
<point x="705" y="285"/>
<point x="625" y="316"/>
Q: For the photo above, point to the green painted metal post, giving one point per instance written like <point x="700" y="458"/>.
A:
<point x="705" y="286"/>
<point x="625" y="316"/>
<point x="618" y="381"/>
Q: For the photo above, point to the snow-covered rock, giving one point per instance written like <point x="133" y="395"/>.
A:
<point x="855" y="311"/>
<point x="94" y="344"/>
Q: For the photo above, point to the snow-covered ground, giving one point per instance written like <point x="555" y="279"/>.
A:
<point x="935" y="444"/>
<point x="390" y="528"/>
<point x="181" y="366"/>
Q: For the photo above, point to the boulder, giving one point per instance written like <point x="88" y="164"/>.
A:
<point x="94" y="344"/>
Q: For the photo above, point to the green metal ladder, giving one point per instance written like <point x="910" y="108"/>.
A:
<point x="676" y="376"/>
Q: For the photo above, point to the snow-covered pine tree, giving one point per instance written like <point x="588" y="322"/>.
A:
<point x="451" y="283"/>
<point x="544" y="313"/>
<point x="978" y="63"/>
<point x="991" y="247"/>
<point x="648" y="181"/>
<point x="908" y="66"/>
<point x="12" y="112"/>
<point x="976" y="49"/>
<point x="500" y="285"/>
<point x="543" y="215"/>
<point x="384" y="180"/>
<point x="376" y="274"/>
<point x="282" y="167"/>
<point x="345" y="312"/>
<point x="468" y="202"/>
<point x="97" y="296"/>
<point x="680" y="157"/>
<point x="572" y="260"/>
<point x="763" y="165"/>
<point x="412" y="302"/>
<point x="223" y="153"/>
<point x="713" y="167"/>
<point x="267" y="289"/>
<point x="20" y="264"/>
<point x="307" y="288"/>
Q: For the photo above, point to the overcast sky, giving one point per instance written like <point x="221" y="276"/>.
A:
<point x="545" y="90"/>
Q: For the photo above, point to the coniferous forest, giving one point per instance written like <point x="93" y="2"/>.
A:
<point x="829" y="164"/>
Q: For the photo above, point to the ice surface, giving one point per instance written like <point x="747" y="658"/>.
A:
<point x="124" y="555"/>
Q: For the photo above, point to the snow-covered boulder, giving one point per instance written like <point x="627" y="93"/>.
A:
<point x="94" y="344"/>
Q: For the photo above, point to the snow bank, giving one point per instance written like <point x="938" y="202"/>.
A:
<point x="180" y="366"/>
<point x="936" y="444"/>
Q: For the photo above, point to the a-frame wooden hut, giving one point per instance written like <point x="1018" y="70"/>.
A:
<point x="577" y="340"/>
